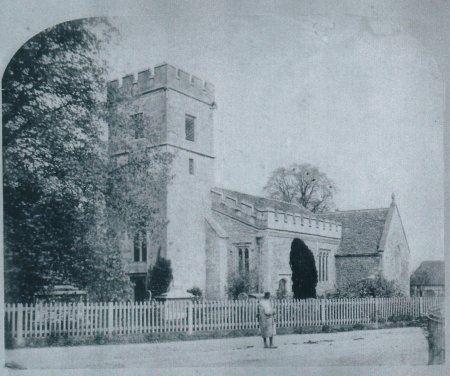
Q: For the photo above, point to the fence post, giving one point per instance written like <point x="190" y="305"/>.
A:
<point x="322" y="312"/>
<point x="420" y="306"/>
<point x="190" y="317"/>
<point x="110" y="318"/>
<point x="376" y="312"/>
<point x="19" y="340"/>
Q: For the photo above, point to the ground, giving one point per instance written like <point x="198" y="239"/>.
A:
<point x="400" y="346"/>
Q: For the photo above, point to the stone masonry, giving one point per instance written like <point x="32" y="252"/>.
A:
<point x="214" y="234"/>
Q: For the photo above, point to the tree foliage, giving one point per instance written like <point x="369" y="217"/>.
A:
<point x="304" y="272"/>
<point x="419" y="279"/>
<point x="196" y="292"/>
<point x="160" y="276"/>
<point x="137" y="185"/>
<point x="239" y="284"/>
<point x="377" y="286"/>
<point x="56" y="165"/>
<point x="304" y="185"/>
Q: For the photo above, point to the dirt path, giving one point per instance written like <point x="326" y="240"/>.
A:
<point x="401" y="346"/>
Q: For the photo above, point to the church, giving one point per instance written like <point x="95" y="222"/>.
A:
<point x="215" y="235"/>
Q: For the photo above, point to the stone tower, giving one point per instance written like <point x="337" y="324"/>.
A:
<point x="178" y="108"/>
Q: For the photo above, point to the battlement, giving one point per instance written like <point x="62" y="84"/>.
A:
<point x="268" y="218"/>
<point x="164" y="76"/>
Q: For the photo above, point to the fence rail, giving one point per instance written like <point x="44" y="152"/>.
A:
<point x="91" y="319"/>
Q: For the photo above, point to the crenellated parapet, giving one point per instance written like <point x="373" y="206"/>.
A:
<point x="162" y="76"/>
<point x="269" y="218"/>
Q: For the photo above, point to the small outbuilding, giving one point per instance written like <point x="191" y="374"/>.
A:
<point x="428" y="279"/>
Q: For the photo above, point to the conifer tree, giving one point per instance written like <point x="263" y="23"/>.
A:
<point x="160" y="276"/>
<point x="304" y="272"/>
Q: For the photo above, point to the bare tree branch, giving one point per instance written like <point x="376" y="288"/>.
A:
<point x="303" y="184"/>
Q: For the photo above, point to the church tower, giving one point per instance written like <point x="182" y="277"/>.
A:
<point x="172" y="111"/>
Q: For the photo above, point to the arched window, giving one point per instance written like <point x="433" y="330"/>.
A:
<point x="323" y="265"/>
<point x="319" y="271"/>
<point x="281" y="292"/>
<point x="243" y="253"/>
<point x="247" y="264"/>
<point x="241" y="260"/>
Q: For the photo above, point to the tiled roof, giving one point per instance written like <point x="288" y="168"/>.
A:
<point x="265" y="203"/>
<point x="430" y="271"/>
<point x="361" y="230"/>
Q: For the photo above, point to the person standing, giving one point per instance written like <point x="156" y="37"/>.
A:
<point x="267" y="320"/>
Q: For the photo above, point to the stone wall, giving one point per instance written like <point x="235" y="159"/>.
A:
<point x="395" y="257"/>
<point x="240" y="234"/>
<point x="188" y="198"/>
<point x="216" y="263"/>
<point x="277" y="259"/>
<point x="153" y="108"/>
<point x="269" y="254"/>
<point x="350" y="269"/>
<point x="163" y="76"/>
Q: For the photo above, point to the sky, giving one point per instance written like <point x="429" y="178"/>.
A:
<point x="358" y="97"/>
<point x="353" y="87"/>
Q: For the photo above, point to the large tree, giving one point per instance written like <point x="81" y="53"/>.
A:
<point x="304" y="185"/>
<point x="55" y="164"/>
<point x="304" y="271"/>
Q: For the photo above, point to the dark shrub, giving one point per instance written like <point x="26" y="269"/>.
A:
<point x="326" y="329"/>
<point x="100" y="339"/>
<point x="197" y="292"/>
<point x="398" y="318"/>
<point x="160" y="276"/>
<point x="239" y="285"/>
<point x="368" y="288"/>
<point x="304" y="272"/>
<point x="52" y="339"/>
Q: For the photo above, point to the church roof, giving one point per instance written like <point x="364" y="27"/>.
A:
<point x="265" y="203"/>
<point x="362" y="230"/>
<point x="429" y="273"/>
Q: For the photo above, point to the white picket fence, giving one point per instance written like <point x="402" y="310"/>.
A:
<point x="91" y="319"/>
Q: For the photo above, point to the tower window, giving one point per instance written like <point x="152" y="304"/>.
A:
<point x="136" y="247"/>
<point x="189" y="126"/>
<point x="144" y="245"/>
<point x="140" y="246"/>
<point x="191" y="166"/>
<point x="138" y="125"/>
